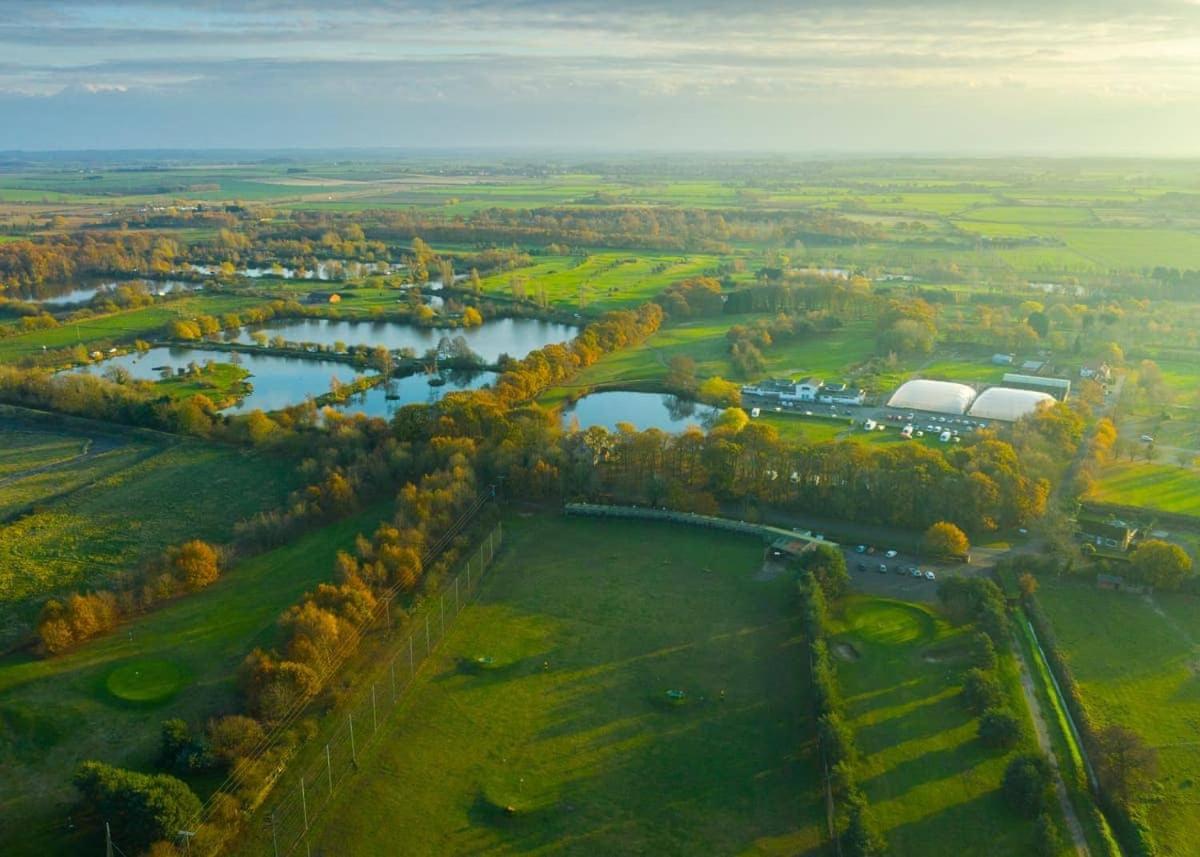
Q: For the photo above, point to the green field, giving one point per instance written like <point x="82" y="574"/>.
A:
<point x="56" y="712"/>
<point x="933" y="787"/>
<point x="1164" y="487"/>
<point x="608" y="280"/>
<point x="593" y="622"/>
<point x="1135" y="660"/>
<point x="120" y="326"/>
<point x="121" y="504"/>
<point x="24" y="450"/>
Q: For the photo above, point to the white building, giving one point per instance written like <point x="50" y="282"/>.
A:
<point x="939" y="397"/>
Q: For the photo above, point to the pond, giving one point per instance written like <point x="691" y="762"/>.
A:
<point x="643" y="410"/>
<point x="333" y="269"/>
<point x="61" y="294"/>
<point x="385" y="399"/>
<point x="278" y="381"/>
<point x="515" y="337"/>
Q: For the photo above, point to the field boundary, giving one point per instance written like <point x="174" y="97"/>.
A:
<point x="765" y="531"/>
<point x="292" y="816"/>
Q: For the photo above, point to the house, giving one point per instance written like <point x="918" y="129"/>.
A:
<point x="1113" y="535"/>
<point x="807" y="389"/>
<point x="841" y="394"/>
<point x="784" y="391"/>
<point x="1002" y="359"/>
<point x="1097" y="371"/>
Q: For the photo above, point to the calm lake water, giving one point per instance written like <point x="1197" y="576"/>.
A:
<point x="329" y="270"/>
<point x="644" y="410"/>
<point x="515" y="337"/>
<point x="385" y="399"/>
<point x="59" y="294"/>
<point x="278" y="381"/>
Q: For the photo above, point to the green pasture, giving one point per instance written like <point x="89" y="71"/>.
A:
<point x="120" y="505"/>
<point x="608" y="280"/>
<point x="592" y="623"/>
<point x="933" y="787"/>
<point x="22" y="450"/>
<point x="119" y="326"/>
<point x="1165" y="487"/>
<point x="1135" y="660"/>
<point x="55" y="712"/>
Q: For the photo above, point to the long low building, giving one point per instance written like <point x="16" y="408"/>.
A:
<point x="937" y="397"/>
<point x="1059" y="388"/>
<point x="1007" y="403"/>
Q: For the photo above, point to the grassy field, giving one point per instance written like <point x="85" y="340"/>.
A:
<point x="933" y="786"/>
<point x="57" y="712"/>
<point x="122" y="503"/>
<point x="24" y="450"/>
<point x="608" y="280"/>
<point x="119" y="327"/>
<point x="593" y="622"/>
<point x="1135" y="660"/>
<point x="1165" y="487"/>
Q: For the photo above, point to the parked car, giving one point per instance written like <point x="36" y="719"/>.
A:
<point x="882" y="568"/>
<point x="1147" y="438"/>
<point x="916" y="572"/>
<point x="861" y="549"/>
<point x="891" y="554"/>
<point x="861" y="566"/>
<point x="929" y="575"/>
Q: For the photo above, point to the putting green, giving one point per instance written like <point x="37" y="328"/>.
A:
<point x="145" y="681"/>
<point x="891" y="623"/>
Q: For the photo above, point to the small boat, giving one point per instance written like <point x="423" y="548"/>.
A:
<point x="437" y="381"/>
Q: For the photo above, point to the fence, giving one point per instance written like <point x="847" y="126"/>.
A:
<point x="361" y="722"/>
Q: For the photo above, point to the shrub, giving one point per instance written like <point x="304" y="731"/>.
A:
<point x="1026" y="784"/>
<point x="946" y="539"/>
<point x="234" y="737"/>
<point x="999" y="729"/>
<point x="981" y="691"/>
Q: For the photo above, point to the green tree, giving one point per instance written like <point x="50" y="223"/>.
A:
<point x="1160" y="564"/>
<point x="1027" y="782"/>
<point x="140" y="808"/>
<point x="1127" y="765"/>
<point x="827" y="565"/>
<point x="999" y="729"/>
<point x="981" y="690"/>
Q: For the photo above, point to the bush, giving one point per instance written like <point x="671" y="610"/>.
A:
<point x="1026" y="784"/>
<point x="1046" y="841"/>
<point x="234" y="737"/>
<point x="981" y="691"/>
<point x="827" y="565"/>
<point x="999" y="729"/>
<point x="140" y="808"/>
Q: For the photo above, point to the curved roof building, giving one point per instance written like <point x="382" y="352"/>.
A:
<point x="939" y="397"/>
<point x="1007" y="403"/>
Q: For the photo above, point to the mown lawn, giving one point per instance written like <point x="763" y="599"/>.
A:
<point x="592" y="622"/>
<point x="56" y="712"/>
<point x="933" y="786"/>
<point x="1165" y="487"/>
<point x="1137" y="662"/>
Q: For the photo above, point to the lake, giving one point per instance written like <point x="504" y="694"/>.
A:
<point x="278" y="381"/>
<point x="515" y="337"/>
<point x="643" y="410"/>
<point x="60" y="294"/>
<point x="384" y="399"/>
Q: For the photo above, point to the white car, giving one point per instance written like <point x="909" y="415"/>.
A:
<point x="929" y="575"/>
<point x="891" y="554"/>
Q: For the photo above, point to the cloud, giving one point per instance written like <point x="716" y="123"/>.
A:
<point x="627" y="60"/>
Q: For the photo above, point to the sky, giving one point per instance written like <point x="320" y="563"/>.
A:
<point x="984" y="77"/>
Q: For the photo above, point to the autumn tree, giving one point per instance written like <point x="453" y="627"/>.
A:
<point x="1160" y="564"/>
<point x="1127" y="765"/>
<point x="195" y="564"/>
<point x="946" y="539"/>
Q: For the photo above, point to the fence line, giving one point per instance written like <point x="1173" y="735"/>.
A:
<point x="292" y="817"/>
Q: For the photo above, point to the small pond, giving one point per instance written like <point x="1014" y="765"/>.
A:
<point x="643" y="410"/>
<point x="385" y="399"/>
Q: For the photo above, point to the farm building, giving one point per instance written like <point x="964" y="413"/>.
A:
<point x="784" y="390"/>
<point x="1059" y="388"/>
<point x="939" y="397"/>
<point x="1111" y="535"/>
<point x="1007" y="403"/>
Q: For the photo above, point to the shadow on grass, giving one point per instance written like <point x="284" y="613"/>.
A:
<point x="982" y="825"/>
<point x="924" y="718"/>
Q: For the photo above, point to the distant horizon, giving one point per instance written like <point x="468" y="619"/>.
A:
<point x="925" y="77"/>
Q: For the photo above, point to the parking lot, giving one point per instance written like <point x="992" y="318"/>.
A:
<point x="892" y="419"/>
<point x="894" y="584"/>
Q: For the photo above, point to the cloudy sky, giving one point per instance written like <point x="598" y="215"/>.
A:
<point x="939" y="76"/>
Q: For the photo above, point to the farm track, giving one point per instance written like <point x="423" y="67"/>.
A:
<point x="1074" y="828"/>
